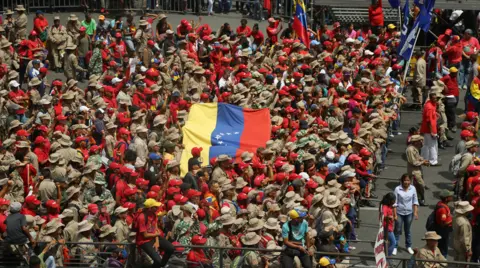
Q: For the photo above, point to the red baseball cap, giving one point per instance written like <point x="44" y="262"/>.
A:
<point x="311" y="184"/>
<point x="196" y="151"/>
<point x="354" y="157"/>
<point x="152" y="194"/>
<point x="173" y="190"/>
<point x="142" y="182"/>
<point x="471" y="115"/>
<point x="51" y="204"/>
<point x="125" y="170"/>
<point x="4" y="201"/>
<point x="174" y="182"/>
<point x="129" y="205"/>
<point x="39" y="139"/>
<point x="123" y="131"/>
<point x="130" y="191"/>
<point x="180" y="199"/>
<point x="192" y="193"/>
<point x="33" y="200"/>
<point x="466" y="133"/>
<point x="150" y="43"/>
<point x="93" y="208"/>
<point x="155" y="188"/>
<point x="365" y="152"/>
<point x="43" y="128"/>
<point x="22" y="132"/>
<point x="242" y="196"/>
<point x="115" y="165"/>
<point x="247" y="189"/>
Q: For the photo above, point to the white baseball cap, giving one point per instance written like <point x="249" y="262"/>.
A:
<point x="84" y="109"/>
<point x="13" y="83"/>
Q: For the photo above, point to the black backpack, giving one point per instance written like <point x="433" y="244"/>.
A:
<point x="432" y="219"/>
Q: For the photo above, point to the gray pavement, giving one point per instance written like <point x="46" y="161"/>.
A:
<point x="437" y="178"/>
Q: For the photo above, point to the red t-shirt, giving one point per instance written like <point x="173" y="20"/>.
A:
<point x="443" y="216"/>
<point x="272" y="32"/>
<point x="452" y="85"/>
<point x="149" y="226"/>
<point x="40" y="23"/>
<point x="429" y="118"/>
<point x="455" y="53"/>
<point x="387" y="212"/>
<point x="257" y="37"/>
<point x="244" y="30"/>
<point x="26" y="211"/>
<point x="3" y="226"/>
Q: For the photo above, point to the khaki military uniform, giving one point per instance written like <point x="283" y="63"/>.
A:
<point x="57" y="37"/>
<point x="70" y="65"/>
<point x="141" y="149"/>
<point x="420" y="80"/>
<point x="16" y="193"/>
<point x="442" y="128"/>
<point x="110" y="145"/>
<point x="426" y="254"/>
<point x="47" y="190"/>
<point x="414" y="168"/>
<point x="73" y="31"/>
<point x="141" y="37"/>
<point x="465" y="161"/>
<point x="6" y="161"/>
<point x="233" y="208"/>
<point x="122" y="232"/>
<point x="86" y="252"/>
<point x="70" y="232"/>
<point x="68" y="153"/>
<point x="217" y="174"/>
<point x="147" y="57"/>
<point x="21" y="27"/>
<point x="462" y="232"/>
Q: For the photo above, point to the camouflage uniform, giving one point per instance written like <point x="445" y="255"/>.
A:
<point x="16" y="193"/>
<point x="185" y="230"/>
<point x="106" y="196"/>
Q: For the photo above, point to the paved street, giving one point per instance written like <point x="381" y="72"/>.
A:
<point x="437" y="178"/>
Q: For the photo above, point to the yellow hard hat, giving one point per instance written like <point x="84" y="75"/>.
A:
<point x="453" y="69"/>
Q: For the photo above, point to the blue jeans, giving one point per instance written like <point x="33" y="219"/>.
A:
<point x="465" y="65"/>
<point x="392" y="243"/>
<point x="406" y="222"/>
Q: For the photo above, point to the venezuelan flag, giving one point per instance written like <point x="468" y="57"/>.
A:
<point x="221" y="128"/>
<point x="300" y="22"/>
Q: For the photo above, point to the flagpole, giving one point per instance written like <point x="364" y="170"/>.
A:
<point x="399" y="17"/>
<point x="410" y="59"/>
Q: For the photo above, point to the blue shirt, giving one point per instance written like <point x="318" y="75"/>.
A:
<point x="298" y="232"/>
<point x="405" y="200"/>
<point x="334" y="167"/>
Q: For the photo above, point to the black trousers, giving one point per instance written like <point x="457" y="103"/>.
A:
<point x="443" y="243"/>
<point x="289" y="254"/>
<point x="451" y="111"/>
<point x="164" y="245"/>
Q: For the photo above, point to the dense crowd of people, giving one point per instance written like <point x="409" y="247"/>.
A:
<point x="102" y="163"/>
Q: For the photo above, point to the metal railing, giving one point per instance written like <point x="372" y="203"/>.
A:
<point x="133" y="258"/>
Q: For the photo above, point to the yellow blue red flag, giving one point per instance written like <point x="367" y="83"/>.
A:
<point x="300" y="25"/>
<point x="221" y="128"/>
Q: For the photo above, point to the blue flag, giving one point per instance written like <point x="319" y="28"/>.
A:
<point x="406" y="20"/>
<point x="394" y="3"/>
<point x="425" y="15"/>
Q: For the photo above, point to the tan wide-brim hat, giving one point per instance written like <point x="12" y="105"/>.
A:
<point x="250" y="238"/>
<point x="20" y="8"/>
<point x="432" y="235"/>
<point x="463" y="207"/>
<point x="84" y="226"/>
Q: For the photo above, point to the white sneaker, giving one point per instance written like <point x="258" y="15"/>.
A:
<point x="394" y="252"/>
<point x="410" y="250"/>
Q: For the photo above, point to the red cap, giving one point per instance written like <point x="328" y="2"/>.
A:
<point x="39" y="139"/>
<point x="31" y="199"/>
<point x="282" y="92"/>
<point x="83" y="29"/>
<point x="93" y="208"/>
<point x="115" y="165"/>
<point x="263" y="71"/>
<point x="466" y="133"/>
<point x="150" y="43"/>
<point x="198" y="240"/>
<point x="174" y="182"/>
<point x="282" y="59"/>
<point x="354" y="157"/>
<point x="242" y="165"/>
<point x="336" y="24"/>
<point x="33" y="32"/>
<point x="280" y="177"/>
<point x="22" y="132"/>
<point x="43" y="70"/>
<point x="242" y="66"/>
<point x="80" y="139"/>
<point x="294" y="176"/>
<point x="4" y="201"/>
<point x="257" y="164"/>
<point x="396" y="67"/>
<point x="173" y="190"/>
<point x="312" y="184"/>
<point x="471" y="168"/>
<point x="180" y="199"/>
<point x="328" y="59"/>
<point x="196" y="151"/>
<point x="201" y="213"/>
<point x="142" y="182"/>
<point x="297" y="75"/>
<point x="365" y="152"/>
<point x="61" y="117"/>
<point x="247" y="189"/>
<point x="130" y="191"/>
<point x="192" y="193"/>
<point x="242" y="196"/>
<point x="184" y="22"/>
<point x="123" y="131"/>
<point x="129" y="205"/>
<point x="471" y="115"/>
<point x="155" y="188"/>
<point x="118" y="35"/>
<point x="334" y="81"/>
<point x="152" y="194"/>
<point x="57" y="83"/>
<point x="51" y="204"/>
<point x="134" y="174"/>
<point x="204" y="96"/>
<point x="125" y="170"/>
<point x="448" y="32"/>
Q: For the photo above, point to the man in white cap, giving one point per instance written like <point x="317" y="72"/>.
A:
<point x="462" y="232"/>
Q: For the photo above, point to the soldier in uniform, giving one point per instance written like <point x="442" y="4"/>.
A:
<point x="123" y="230"/>
<point x="70" y="63"/>
<point x="73" y="29"/>
<point x="141" y="37"/>
<point x="21" y="23"/>
<point x="462" y="232"/>
<point x="57" y="37"/>
<point x="110" y="139"/>
<point x="70" y="231"/>
<point x="430" y="252"/>
<point x="222" y="164"/>
<point x="15" y="192"/>
<point x="414" y="166"/>
<point x="85" y="252"/>
<point x="104" y="194"/>
<point x="9" y="25"/>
